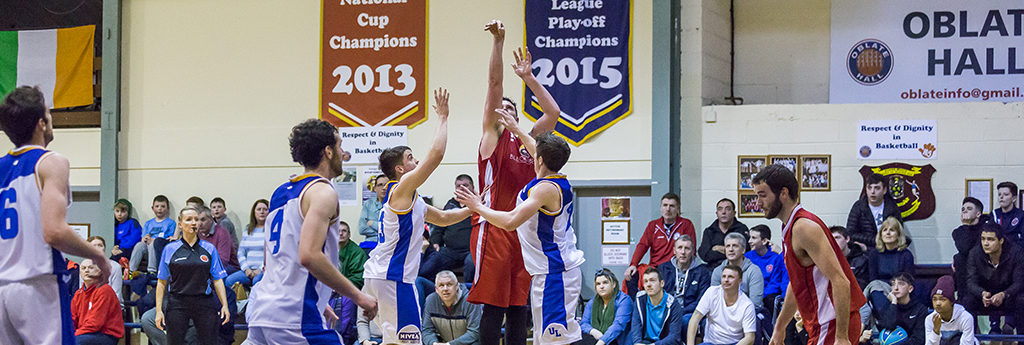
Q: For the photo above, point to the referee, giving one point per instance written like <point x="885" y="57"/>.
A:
<point x="191" y="266"/>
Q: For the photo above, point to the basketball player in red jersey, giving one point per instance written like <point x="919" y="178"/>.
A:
<point x="502" y="284"/>
<point x="821" y="284"/>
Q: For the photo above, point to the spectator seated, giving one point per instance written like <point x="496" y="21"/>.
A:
<point x="731" y="315"/>
<point x="685" y="277"/>
<point x="898" y="310"/>
<point x="994" y="283"/>
<point x="447" y="317"/>
<point x="606" y="317"/>
<point x="657" y="318"/>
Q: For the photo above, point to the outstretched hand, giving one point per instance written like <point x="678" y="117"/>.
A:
<point x="496" y="28"/>
<point x="524" y="62"/>
<point x="441" y="103"/>
<point x="468" y="197"/>
<point x="507" y="118"/>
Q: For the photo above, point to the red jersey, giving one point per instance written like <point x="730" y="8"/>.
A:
<point x="501" y="279"/>
<point x="505" y="172"/>
<point x="812" y="289"/>
<point x="661" y="241"/>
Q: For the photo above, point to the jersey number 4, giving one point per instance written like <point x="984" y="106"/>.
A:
<point x="275" y="231"/>
<point x="8" y="215"/>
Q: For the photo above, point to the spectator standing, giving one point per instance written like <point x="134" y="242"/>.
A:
<point x="220" y="216"/>
<point x="712" y="243"/>
<point x="950" y="323"/>
<point x="772" y="265"/>
<point x="686" y="278"/>
<point x="606" y="317"/>
<point x="994" y="274"/>
<point x="116" y="279"/>
<point x="219" y="237"/>
<point x="250" y="247"/>
<point x="95" y="309"/>
<point x="659" y="237"/>
<point x="451" y="243"/>
<point x="891" y="255"/>
<point x="731" y="316"/>
<point x="898" y="311"/>
<point x="1008" y="215"/>
<point x="966" y="238"/>
<point x="127" y="231"/>
<point x="195" y="202"/>
<point x="657" y="318"/>
<point x="160" y="226"/>
<point x="190" y="272"/>
<point x="868" y="213"/>
<point x="448" y="319"/>
<point x="371" y="210"/>
<point x="752" y="283"/>
<point x="857" y="258"/>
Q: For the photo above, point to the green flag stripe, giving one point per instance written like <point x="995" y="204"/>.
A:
<point x="8" y="61"/>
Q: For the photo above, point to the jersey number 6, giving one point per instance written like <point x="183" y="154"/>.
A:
<point x="9" y="215"/>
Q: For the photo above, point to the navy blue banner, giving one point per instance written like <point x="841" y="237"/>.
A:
<point x="581" y="53"/>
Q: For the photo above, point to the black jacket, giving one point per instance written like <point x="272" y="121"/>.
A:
<point x="456" y="236"/>
<point x="713" y="236"/>
<point x="859" y="264"/>
<point x="1005" y="277"/>
<point x="910" y="316"/>
<point x="697" y="281"/>
<point x="861" y="223"/>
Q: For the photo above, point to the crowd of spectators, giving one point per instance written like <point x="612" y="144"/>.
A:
<point x="721" y="288"/>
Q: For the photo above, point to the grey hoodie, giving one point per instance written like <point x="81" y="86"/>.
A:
<point x="752" y="284"/>
<point x="458" y="325"/>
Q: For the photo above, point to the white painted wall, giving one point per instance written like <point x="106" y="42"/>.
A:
<point x="211" y="89"/>
<point x="975" y="140"/>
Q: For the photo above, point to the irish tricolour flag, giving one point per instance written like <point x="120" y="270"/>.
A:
<point x="58" y="61"/>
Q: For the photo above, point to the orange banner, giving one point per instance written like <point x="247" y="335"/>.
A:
<point x="373" y="62"/>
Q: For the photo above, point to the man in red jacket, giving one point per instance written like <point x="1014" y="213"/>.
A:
<point x="659" y="237"/>
<point x="95" y="311"/>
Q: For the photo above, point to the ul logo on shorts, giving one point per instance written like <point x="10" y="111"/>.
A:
<point x="555" y="331"/>
<point x="869" y="62"/>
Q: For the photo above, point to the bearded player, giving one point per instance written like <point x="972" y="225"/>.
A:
<point x="502" y="284"/>
<point x="821" y="284"/>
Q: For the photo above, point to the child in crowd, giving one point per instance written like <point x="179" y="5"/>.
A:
<point x="158" y="227"/>
<point x="127" y="231"/>
<point x="950" y="323"/>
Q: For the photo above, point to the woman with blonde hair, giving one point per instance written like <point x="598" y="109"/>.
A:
<point x="891" y="255"/>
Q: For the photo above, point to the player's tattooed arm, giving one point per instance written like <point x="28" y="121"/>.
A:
<point x="446" y="217"/>
<point x="524" y="69"/>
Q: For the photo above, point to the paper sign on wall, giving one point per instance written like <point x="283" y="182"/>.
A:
<point x="366" y="143"/>
<point x="896" y="139"/>
<point x="614" y="255"/>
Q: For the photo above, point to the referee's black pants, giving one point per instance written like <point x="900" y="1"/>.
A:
<point x="202" y="310"/>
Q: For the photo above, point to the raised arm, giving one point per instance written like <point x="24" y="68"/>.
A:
<point x="524" y="69"/>
<point x="406" y="187"/>
<point x="446" y="217"/>
<point x="319" y="205"/>
<point x="491" y="131"/>
<point x="53" y="170"/>
<point x="808" y="236"/>
<point x="543" y="195"/>
<point x="508" y="120"/>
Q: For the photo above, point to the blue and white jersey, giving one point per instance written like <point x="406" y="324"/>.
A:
<point x="399" y="241"/>
<point x="289" y="296"/>
<point x="24" y="253"/>
<point x="547" y="239"/>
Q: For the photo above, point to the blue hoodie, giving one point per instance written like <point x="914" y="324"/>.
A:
<point x="773" y="269"/>
<point x="127" y="234"/>
<point x="619" y="330"/>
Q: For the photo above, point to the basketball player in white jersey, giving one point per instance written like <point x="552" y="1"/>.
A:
<point x="390" y="272"/>
<point x="542" y="219"/>
<point x="34" y="196"/>
<point x="289" y="306"/>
